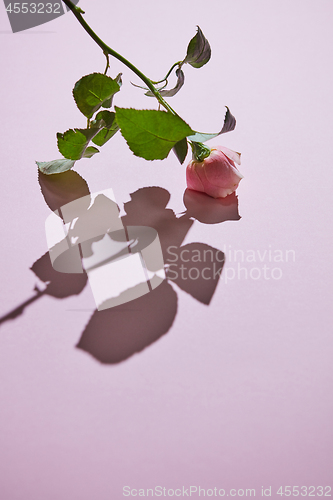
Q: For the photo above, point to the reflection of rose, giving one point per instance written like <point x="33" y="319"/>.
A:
<point x="216" y="175"/>
<point x="210" y="210"/>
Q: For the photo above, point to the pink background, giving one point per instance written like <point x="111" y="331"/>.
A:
<point x="237" y="394"/>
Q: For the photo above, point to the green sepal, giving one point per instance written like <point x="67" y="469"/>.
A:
<point x="93" y="91"/>
<point x="199" y="151"/>
<point x="151" y="134"/>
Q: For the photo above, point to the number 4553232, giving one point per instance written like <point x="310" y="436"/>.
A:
<point x="34" y="8"/>
<point x="305" y="491"/>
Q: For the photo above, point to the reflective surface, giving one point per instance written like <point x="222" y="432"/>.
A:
<point x="228" y="383"/>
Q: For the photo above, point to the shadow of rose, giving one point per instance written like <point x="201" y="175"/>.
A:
<point x="113" y="335"/>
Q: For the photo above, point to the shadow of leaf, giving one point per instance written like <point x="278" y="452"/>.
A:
<point x="196" y="268"/>
<point x="113" y="335"/>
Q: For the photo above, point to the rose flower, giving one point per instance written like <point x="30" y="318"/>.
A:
<point x="213" y="171"/>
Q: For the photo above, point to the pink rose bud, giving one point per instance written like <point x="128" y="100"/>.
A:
<point x="216" y="175"/>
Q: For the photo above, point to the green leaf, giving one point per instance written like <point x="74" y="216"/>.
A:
<point x="228" y="125"/>
<point x="151" y="134"/>
<point x="169" y="93"/>
<point x="90" y="151"/>
<point x="108" y="102"/>
<point x="55" y="166"/>
<point x="198" y="50"/>
<point x="108" y="118"/>
<point x="180" y="150"/>
<point x="73" y="143"/>
<point x="111" y="127"/>
<point x="94" y="91"/>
